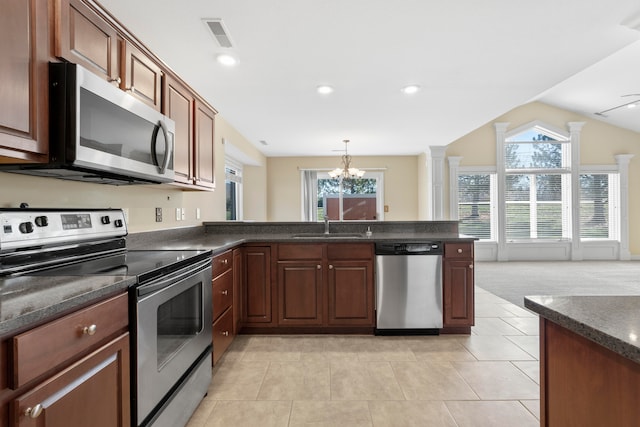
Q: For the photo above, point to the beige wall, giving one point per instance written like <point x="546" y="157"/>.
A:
<point x="400" y="184"/>
<point x="141" y="200"/>
<point x="600" y="142"/>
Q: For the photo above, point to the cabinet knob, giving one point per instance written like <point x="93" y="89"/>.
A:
<point x="89" y="330"/>
<point x="225" y="333"/>
<point x="471" y="266"/>
<point x="34" y="412"/>
<point x="330" y="267"/>
<point x="225" y="292"/>
<point x="459" y="250"/>
<point x="116" y="80"/>
<point x="319" y="267"/>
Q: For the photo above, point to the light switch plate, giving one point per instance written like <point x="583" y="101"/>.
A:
<point x="158" y="214"/>
<point x="178" y="214"/>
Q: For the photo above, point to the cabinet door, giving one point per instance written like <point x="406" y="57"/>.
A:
<point x="205" y="146"/>
<point x="24" y="111"/>
<point x="351" y="298"/>
<point x="458" y="293"/>
<point x="141" y="76"/>
<point x="178" y="105"/>
<point x="256" y="291"/>
<point x="94" y="391"/>
<point x="300" y="292"/>
<point x="83" y="37"/>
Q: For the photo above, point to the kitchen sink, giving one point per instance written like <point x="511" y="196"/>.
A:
<point x="328" y="236"/>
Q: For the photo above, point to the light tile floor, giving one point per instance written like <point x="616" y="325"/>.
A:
<point x="489" y="378"/>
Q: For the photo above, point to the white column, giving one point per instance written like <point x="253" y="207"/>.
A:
<point x="436" y="161"/>
<point x="575" y="128"/>
<point x="623" y="168"/>
<point x="501" y="130"/>
<point x="454" y="166"/>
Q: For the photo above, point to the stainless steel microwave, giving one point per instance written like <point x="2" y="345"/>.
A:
<point x="99" y="133"/>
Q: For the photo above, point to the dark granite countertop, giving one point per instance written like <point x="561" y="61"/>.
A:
<point x="30" y="300"/>
<point x="611" y="321"/>
<point x="221" y="236"/>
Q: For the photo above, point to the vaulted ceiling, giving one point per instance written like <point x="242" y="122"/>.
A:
<point x="473" y="61"/>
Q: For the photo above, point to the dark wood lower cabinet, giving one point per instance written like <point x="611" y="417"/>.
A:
<point x="300" y="293"/>
<point x="256" y="290"/>
<point x="92" y="392"/>
<point x="584" y="384"/>
<point x="351" y="293"/>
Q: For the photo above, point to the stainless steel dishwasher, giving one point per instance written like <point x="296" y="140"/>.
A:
<point x="408" y="288"/>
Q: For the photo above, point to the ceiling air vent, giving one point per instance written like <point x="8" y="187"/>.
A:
<point x="219" y="32"/>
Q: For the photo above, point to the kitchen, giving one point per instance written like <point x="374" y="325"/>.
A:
<point x="270" y="184"/>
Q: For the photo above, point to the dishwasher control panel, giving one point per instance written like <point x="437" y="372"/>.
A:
<point x="409" y="248"/>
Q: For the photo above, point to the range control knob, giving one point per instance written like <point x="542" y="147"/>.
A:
<point x="26" y="227"/>
<point x="118" y="223"/>
<point x="105" y="220"/>
<point x="42" y="221"/>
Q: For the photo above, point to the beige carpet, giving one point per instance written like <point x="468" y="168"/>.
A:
<point x="514" y="280"/>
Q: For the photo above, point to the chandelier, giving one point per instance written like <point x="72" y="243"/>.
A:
<point x="346" y="171"/>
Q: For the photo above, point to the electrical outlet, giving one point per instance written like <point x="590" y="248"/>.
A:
<point x="198" y="214"/>
<point x="386" y="208"/>
<point x="158" y="214"/>
<point x="178" y="214"/>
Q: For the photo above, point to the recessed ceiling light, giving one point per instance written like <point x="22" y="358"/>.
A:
<point x="411" y="89"/>
<point x="324" y="89"/>
<point x="226" y="59"/>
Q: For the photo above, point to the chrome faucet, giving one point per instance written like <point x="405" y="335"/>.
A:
<point x="326" y="225"/>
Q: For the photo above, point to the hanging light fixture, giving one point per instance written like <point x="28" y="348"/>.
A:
<point x="346" y="171"/>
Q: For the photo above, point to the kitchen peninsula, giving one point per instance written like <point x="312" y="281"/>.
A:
<point x="589" y="360"/>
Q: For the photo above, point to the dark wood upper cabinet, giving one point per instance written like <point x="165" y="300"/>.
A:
<point x="179" y="106"/>
<point x="24" y="123"/>
<point x="84" y="38"/>
<point x="141" y="76"/>
<point x="205" y="146"/>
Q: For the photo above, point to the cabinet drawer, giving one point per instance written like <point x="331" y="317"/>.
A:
<point x="93" y="391"/>
<point x="350" y="251"/>
<point x="287" y="251"/>
<point x="222" y="293"/>
<point x="222" y="263"/>
<point x="45" y="347"/>
<point x="458" y="250"/>
<point x="222" y="334"/>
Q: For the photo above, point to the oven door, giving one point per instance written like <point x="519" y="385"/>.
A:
<point x="173" y="330"/>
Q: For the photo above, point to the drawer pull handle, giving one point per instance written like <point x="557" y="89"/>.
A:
<point x="225" y="333"/>
<point x="225" y="292"/>
<point x="89" y="330"/>
<point x="224" y="261"/>
<point x="459" y="251"/>
<point x="34" y="412"/>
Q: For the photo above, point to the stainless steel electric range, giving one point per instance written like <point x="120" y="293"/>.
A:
<point x="169" y="304"/>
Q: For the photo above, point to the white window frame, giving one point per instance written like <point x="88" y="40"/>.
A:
<point x="236" y="166"/>
<point x="324" y="174"/>
<point x="493" y="208"/>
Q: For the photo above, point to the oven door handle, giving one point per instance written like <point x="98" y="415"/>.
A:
<point x="174" y="278"/>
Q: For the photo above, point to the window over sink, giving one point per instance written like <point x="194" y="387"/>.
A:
<point x="351" y="199"/>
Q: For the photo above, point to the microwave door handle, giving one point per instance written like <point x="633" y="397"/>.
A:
<point x="168" y="147"/>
